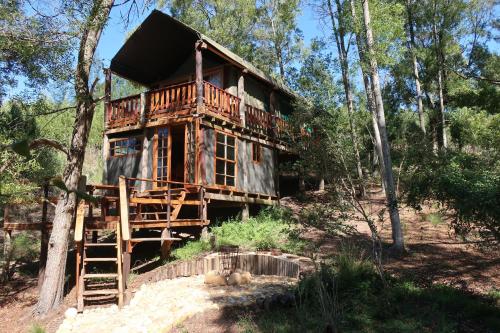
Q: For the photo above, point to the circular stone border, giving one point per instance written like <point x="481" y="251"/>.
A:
<point x="257" y="263"/>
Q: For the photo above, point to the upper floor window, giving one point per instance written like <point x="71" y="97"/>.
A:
<point x="225" y="159"/>
<point x="256" y="152"/>
<point x="127" y="146"/>
<point x="214" y="78"/>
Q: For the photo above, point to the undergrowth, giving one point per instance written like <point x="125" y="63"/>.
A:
<point x="273" y="228"/>
<point x="347" y="295"/>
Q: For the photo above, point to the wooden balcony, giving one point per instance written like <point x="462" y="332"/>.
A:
<point x="181" y="100"/>
<point x="164" y="102"/>
<point x="263" y="122"/>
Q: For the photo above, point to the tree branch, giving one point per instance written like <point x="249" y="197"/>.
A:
<point x="50" y="143"/>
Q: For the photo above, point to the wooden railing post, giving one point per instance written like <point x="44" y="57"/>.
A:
<point x="142" y="108"/>
<point x="241" y="96"/>
<point x="124" y="211"/>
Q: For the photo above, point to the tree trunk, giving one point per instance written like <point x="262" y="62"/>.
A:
<point x="339" y="34"/>
<point x="392" y="202"/>
<point x="52" y="289"/>
<point x="411" y="47"/>
<point x="370" y="99"/>
<point x="441" y="127"/>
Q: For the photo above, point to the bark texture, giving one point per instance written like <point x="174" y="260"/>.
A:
<point x="339" y="33"/>
<point x="370" y="98"/>
<point x="392" y="202"/>
<point x="416" y="75"/>
<point x="52" y="288"/>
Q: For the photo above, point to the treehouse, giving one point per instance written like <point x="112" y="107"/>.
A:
<point x="207" y="135"/>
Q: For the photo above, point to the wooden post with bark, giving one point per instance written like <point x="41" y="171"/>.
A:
<point x="199" y="45"/>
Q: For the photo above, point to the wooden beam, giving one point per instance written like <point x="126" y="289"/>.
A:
<point x="242" y="199"/>
<point x="80" y="214"/>
<point x="124" y="212"/>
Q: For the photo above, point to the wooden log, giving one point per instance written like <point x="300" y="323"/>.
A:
<point x="199" y="75"/>
<point x="124" y="209"/>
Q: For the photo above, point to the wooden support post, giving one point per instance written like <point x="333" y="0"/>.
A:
<point x="241" y="96"/>
<point x="169" y="205"/>
<point x="165" y="244"/>
<point x="119" y="244"/>
<point x="107" y="95"/>
<point x="44" y="238"/>
<point x="142" y="114"/>
<point x="124" y="209"/>
<point x="245" y="211"/>
<point x="199" y="45"/>
<point x="144" y="163"/>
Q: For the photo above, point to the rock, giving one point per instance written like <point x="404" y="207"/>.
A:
<point x="234" y="279"/>
<point x="246" y="277"/>
<point x="214" y="278"/>
<point x="70" y="313"/>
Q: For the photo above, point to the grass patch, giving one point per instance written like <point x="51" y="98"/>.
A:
<point x="434" y="218"/>
<point x="347" y="294"/>
<point x="191" y="250"/>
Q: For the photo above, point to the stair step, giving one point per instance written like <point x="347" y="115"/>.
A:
<point x="100" y="292"/>
<point x="99" y="244"/>
<point x="99" y="259"/>
<point x="100" y="275"/>
<point x="154" y="239"/>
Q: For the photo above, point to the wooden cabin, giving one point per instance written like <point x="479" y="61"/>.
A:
<point x="207" y="117"/>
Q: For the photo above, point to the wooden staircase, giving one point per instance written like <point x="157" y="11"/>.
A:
<point x="99" y="262"/>
<point x="103" y="263"/>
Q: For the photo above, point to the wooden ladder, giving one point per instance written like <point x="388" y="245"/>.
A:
<point x="93" y="284"/>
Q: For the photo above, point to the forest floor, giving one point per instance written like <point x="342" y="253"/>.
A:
<point x="435" y="256"/>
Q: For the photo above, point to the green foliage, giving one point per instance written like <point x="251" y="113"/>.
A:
<point x="467" y="185"/>
<point x="36" y="329"/>
<point x="25" y="247"/>
<point x="347" y="295"/>
<point x="263" y="232"/>
<point x="191" y="250"/>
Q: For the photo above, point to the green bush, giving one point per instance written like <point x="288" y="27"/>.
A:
<point x="271" y="229"/>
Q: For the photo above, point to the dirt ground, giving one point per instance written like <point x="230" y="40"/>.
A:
<point x="434" y="255"/>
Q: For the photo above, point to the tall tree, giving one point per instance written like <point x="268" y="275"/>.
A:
<point x="231" y="23"/>
<point x="370" y="98"/>
<point x="277" y="35"/>
<point x="392" y="202"/>
<point x="94" y="18"/>
<point x="411" y="48"/>
<point x="339" y="31"/>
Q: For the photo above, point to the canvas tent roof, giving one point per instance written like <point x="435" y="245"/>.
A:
<point x="161" y="44"/>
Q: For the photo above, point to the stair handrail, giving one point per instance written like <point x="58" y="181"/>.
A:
<point x="124" y="208"/>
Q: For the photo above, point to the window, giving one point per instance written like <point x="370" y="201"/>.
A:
<point x="214" y="78"/>
<point x="225" y="159"/>
<point x="123" y="147"/>
<point x="256" y="152"/>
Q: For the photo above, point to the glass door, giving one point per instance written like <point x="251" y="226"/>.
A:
<point x="161" y="170"/>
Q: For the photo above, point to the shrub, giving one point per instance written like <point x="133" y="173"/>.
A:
<point x="191" y="250"/>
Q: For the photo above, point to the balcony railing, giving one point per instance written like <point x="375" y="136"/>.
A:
<point x="158" y="103"/>
<point x="266" y="123"/>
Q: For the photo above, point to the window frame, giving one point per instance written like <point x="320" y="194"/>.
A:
<point x="226" y="160"/>
<point x="112" y="146"/>
<point x="257" y="145"/>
